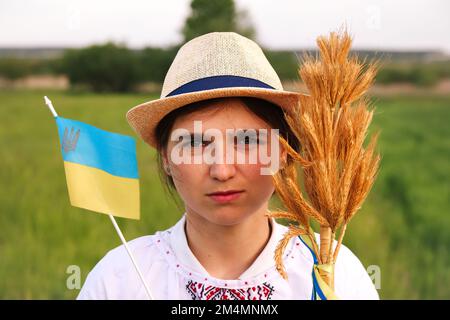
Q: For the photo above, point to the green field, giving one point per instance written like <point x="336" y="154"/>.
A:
<point x="404" y="226"/>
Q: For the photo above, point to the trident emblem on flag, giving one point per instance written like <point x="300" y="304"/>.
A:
<point x="70" y="140"/>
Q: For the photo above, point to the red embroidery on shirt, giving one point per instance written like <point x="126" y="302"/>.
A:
<point x="201" y="291"/>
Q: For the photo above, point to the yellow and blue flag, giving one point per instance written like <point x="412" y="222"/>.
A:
<point x="101" y="169"/>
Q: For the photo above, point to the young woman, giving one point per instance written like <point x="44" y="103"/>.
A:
<point x="221" y="104"/>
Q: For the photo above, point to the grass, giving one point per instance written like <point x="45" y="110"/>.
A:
<point x="403" y="226"/>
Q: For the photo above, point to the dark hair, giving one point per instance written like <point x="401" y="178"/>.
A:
<point x="271" y="113"/>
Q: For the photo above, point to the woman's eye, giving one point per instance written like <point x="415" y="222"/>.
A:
<point x="196" y="143"/>
<point x="247" y="140"/>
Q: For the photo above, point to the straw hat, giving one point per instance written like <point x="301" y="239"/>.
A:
<point x="214" y="65"/>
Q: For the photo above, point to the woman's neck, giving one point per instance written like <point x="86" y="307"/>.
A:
<point x="227" y="251"/>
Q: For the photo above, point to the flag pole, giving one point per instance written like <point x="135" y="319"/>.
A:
<point x="49" y="104"/>
<point x="119" y="232"/>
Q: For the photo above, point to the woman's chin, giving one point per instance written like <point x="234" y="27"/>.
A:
<point x="227" y="216"/>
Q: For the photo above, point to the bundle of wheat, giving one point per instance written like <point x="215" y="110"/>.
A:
<point x="338" y="171"/>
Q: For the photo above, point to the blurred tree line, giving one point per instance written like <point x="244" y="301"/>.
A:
<point x="114" y="67"/>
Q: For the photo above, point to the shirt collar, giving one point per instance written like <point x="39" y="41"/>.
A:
<point x="265" y="260"/>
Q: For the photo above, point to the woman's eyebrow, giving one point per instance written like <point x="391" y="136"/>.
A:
<point x="191" y="136"/>
<point x="258" y="132"/>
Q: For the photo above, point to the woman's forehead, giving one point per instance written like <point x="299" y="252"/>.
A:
<point x="221" y="114"/>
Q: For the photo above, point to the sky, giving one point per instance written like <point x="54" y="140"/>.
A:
<point x="280" y="24"/>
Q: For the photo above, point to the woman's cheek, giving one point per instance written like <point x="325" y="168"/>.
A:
<point x="186" y="176"/>
<point x="258" y="184"/>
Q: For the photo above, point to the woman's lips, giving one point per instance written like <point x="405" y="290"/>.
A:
<point x="226" y="196"/>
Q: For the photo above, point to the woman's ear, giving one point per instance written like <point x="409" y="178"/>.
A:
<point x="166" y="163"/>
<point x="283" y="157"/>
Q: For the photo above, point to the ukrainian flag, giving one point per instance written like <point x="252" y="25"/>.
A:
<point x="101" y="169"/>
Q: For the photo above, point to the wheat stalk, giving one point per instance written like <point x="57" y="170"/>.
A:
<point x="331" y="124"/>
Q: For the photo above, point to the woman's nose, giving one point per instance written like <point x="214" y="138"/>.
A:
<point x="222" y="171"/>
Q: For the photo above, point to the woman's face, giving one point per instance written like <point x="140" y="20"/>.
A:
<point x="197" y="180"/>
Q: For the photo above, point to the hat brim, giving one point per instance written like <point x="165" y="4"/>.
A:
<point x="144" y="117"/>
